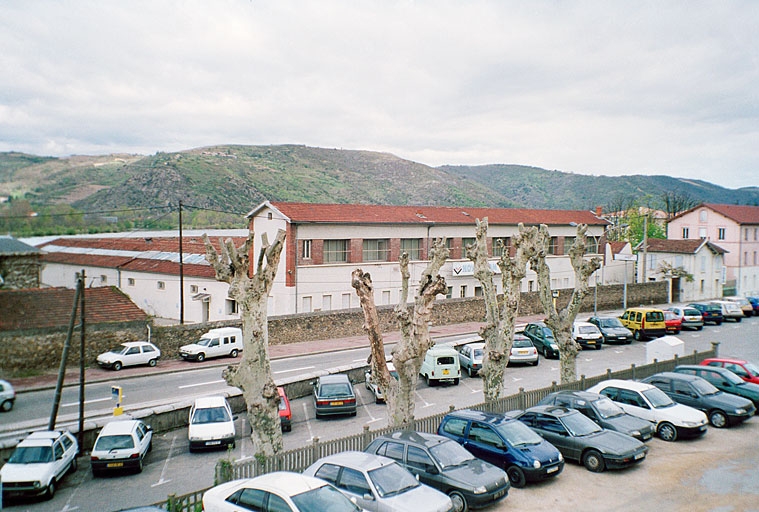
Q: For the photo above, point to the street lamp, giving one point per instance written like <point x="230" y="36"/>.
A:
<point x="625" y="258"/>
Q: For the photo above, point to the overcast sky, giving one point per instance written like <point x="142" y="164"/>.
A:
<point x="594" y="87"/>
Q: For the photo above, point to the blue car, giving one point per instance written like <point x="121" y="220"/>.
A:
<point x="504" y="442"/>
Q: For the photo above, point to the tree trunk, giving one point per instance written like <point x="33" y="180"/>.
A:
<point x="253" y="375"/>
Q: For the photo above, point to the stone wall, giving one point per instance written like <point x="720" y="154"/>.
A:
<point x="25" y="352"/>
<point x="20" y="272"/>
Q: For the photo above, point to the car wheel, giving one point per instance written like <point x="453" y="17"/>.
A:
<point x="637" y="336"/>
<point x="459" y="503"/>
<point x="150" y="445"/>
<point x="427" y="379"/>
<point x="677" y="332"/>
<point x="201" y="357"/>
<point x="116" y="366"/>
<point x="699" y="327"/>
<point x="50" y="490"/>
<point x="737" y="320"/>
<point x="598" y="347"/>
<point x="667" y="432"/>
<point x="354" y="413"/>
<point x="6" y="406"/>
<point x="718" y="323"/>
<point x="593" y="461"/>
<point x="74" y="465"/>
<point x="516" y="477"/>
<point x="98" y="474"/>
<point x="456" y="381"/>
<point x="718" y="419"/>
<point x="139" y="466"/>
<point x="469" y="371"/>
<point x="233" y="353"/>
<point x="153" y="362"/>
<point x="537" y="361"/>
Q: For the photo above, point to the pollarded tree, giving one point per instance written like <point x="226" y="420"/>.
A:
<point x="498" y="331"/>
<point x="408" y="353"/>
<point x="253" y="375"/>
<point x="560" y="322"/>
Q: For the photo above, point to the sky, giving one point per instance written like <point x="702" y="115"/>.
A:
<point x="608" y="87"/>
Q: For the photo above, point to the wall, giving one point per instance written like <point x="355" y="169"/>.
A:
<point x="20" y="272"/>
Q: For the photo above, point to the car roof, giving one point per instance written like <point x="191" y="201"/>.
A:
<point x="588" y="396"/>
<point x="281" y="482"/>
<point x="205" y="402"/>
<point x="676" y="375"/>
<point x="334" y="378"/>
<point x="642" y="308"/>
<point x="583" y="324"/>
<point x="727" y="360"/>
<point x="41" y="438"/>
<point x="702" y="367"/>
<point x="356" y="460"/>
<point x="136" y="343"/>
<point x="483" y="416"/>
<point x="418" y="438"/>
<point x="553" y="410"/>
<point x="476" y="344"/>
<point x="119" y="427"/>
<point x="625" y="384"/>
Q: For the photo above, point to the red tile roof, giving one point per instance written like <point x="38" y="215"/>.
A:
<point x="681" y="246"/>
<point x="38" y="308"/>
<point x="741" y="214"/>
<point x="168" y="267"/>
<point x="190" y="245"/>
<point x="381" y="214"/>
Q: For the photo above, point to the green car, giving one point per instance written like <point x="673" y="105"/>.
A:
<point x="724" y="380"/>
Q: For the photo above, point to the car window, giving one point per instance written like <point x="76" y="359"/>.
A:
<point x="324" y="498"/>
<point x="632" y="398"/>
<point x="392" y="450"/>
<point x="658" y="398"/>
<point x="277" y="504"/>
<point x="392" y="479"/>
<point x="330" y="390"/>
<point x="517" y="434"/>
<point x="484" y="434"/>
<point x="704" y="387"/>
<point x="579" y="425"/>
<point x="147" y="348"/>
<point x="606" y="408"/>
<point x="521" y="342"/>
<point x="58" y="449"/>
<point x="31" y="455"/>
<point x="67" y="442"/>
<point x="683" y="389"/>
<point x="133" y="350"/>
<point x="654" y="316"/>
<point x="455" y="426"/>
<point x="117" y="442"/>
<point x="550" y="424"/>
<point x="328" y="473"/>
<point x="418" y="458"/>
<point x="140" y="434"/>
<point x="251" y="499"/>
<point x="214" y="343"/>
<point x="210" y="415"/>
<point x="736" y="369"/>
<point x="445" y="360"/>
<point x="451" y="453"/>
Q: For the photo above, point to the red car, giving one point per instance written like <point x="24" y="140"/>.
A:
<point x="744" y="369"/>
<point x="285" y="414"/>
<point x="673" y="322"/>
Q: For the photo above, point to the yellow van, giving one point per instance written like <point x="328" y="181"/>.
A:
<point x="644" y="322"/>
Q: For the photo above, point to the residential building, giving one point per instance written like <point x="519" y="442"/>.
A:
<point x="735" y="228"/>
<point x="19" y="264"/>
<point x="672" y="260"/>
<point x="326" y="242"/>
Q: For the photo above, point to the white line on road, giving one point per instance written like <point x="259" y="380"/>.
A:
<point x="161" y="481"/>
<point x="363" y="404"/>
<point x="296" y="369"/>
<point x="202" y="384"/>
<point x="426" y="404"/>
<point x="72" y="404"/>
<point x="308" y="422"/>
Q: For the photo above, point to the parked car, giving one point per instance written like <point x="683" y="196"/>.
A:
<point x="38" y="463"/>
<point x="441" y="364"/>
<point x="579" y="438"/>
<point x="730" y="310"/>
<point x="743" y="303"/>
<point x="280" y="491"/>
<point x="445" y="465"/>
<point x="603" y="411"/>
<point x="612" y="329"/>
<point x="644" y="322"/>
<point x="130" y="353"/>
<point x="690" y="318"/>
<point x="722" y="409"/>
<point x="470" y="357"/>
<point x="673" y="421"/>
<point x="754" y="304"/>
<point x="379" y="397"/>
<point x="285" y="412"/>
<point x="121" y="444"/>
<point x="504" y="442"/>
<point x="221" y="342"/>
<point x="211" y="423"/>
<point x="333" y="395"/>
<point x="7" y="396"/>
<point x="711" y="313"/>
<point x="724" y="380"/>
<point x="542" y="337"/>
<point x="378" y="483"/>
<point x="587" y="335"/>
<point x="523" y="351"/>
<point x="746" y="370"/>
<point x="674" y="324"/>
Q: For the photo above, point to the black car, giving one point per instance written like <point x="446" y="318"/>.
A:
<point x="504" y="442"/>
<point x="579" y="438"/>
<point x="711" y="313"/>
<point x="543" y="339"/>
<point x="724" y="380"/>
<point x="612" y="329"/>
<point x="722" y="409"/>
<point x="603" y="411"/>
<point x="444" y="465"/>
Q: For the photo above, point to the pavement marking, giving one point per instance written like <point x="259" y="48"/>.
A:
<point x="363" y="404"/>
<point x="72" y="404"/>
<point x="161" y="480"/>
<point x="296" y="369"/>
<point x="308" y="422"/>
<point x="202" y="384"/>
<point x="426" y="404"/>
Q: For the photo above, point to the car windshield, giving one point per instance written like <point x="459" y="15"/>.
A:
<point x="704" y="387"/>
<point x="478" y="353"/>
<point x="203" y="342"/>
<point x="119" y="350"/>
<point x="548" y="333"/>
<point x="580" y="425"/>
<point x="732" y="378"/>
<point x="658" y="399"/>
<point x="691" y="312"/>
<point x="118" y="442"/>
<point x="450" y="454"/>
<point x="752" y="369"/>
<point x="31" y="455"/>
<point x="211" y="415"/>
<point x="334" y="390"/>
<point x="607" y="409"/>
<point x="324" y="498"/>
<point x="588" y="329"/>
<point x="610" y="322"/>
<point x="518" y="434"/>
<point x="654" y="316"/>
<point x="392" y="479"/>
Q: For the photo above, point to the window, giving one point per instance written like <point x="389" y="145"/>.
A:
<point x="161" y="285"/>
<point x="703" y="263"/>
<point x="552" y="245"/>
<point x="391" y="450"/>
<point x="745" y="257"/>
<point x="462" y="293"/>
<point x="306" y="305"/>
<point x="103" y="278"/>
<point x="130" y="281"/>
<point x="702" y="216"/>
<point x="449" y="292"/>
<point x="376" y="250"/>
<point x="745" y="234"/>
<point x="569" y="241"/>
<point x="346" y="300"/>
<point x="478" y="291"/>
<point x="230" y="306"/>
<point x="530" y="285"/>
<point x="591" y="245"/>
<point x="501" y="246"/>
<point x="193" y="288"/>
<point x="418" y="458"/>
<point x="721" y="233"/>
<point x="354" y="482"/>
<point x="335" y="251"/>
<point x="306" y="250"/>
<point x="685" y="233"/>
<point x="412" y="247"/>
<point x="269" y="216"/>
<point x="464" y="243"/>
<point x="326" y="302"/>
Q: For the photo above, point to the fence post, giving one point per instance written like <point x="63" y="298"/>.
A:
<point x="522" y="399"/>
<point x="633" y="372"/>
<point x="582" y="382"/>
<point x="172" y="502"/>
<point x="315" y="450"/>
<point x="715" y="348"/>
<point x="366" y="435"/>
<point x="608" y="373"/>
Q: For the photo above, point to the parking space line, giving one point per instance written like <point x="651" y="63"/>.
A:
<point x="363" y="404"/>
<point x="201" y="384"/>
<point x="308" y="422"/>
<point x="426" y="404"/>
<point x="296" y="369"/>
<point x="161" y="481"/>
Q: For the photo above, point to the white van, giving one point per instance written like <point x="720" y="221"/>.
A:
<point x="224" y="341"/>
<point x="441" y="363"/>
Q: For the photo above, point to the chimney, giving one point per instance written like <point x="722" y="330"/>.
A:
<point x="599" y="211"/>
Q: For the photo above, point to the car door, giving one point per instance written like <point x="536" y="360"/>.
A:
<point x="484" y="443"/>
<point x="553" y="431"/>
<point x="631" y="402"/>
<point x="685" y="393"/>
<point x="420" y="464"/>
<point x="132" y="356"/>
<point x="61" y="462"/>
<point x="214" y="348"/>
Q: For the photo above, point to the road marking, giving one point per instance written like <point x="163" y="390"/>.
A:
<point x="363" y="404"/>
<point x="516" y="379"/>
<point x="201" y="384"/>
<point x="72" y="404"/>
<point x="308" y="422"/>
<point x="426" y="404"/>
<point x="161" y="480"/>
<point x="296" y="369"/>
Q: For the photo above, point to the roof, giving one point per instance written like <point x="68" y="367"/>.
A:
<point x="302" y="213"/>
<point x="687" y="246"/>
<point x="741" y="214"/>
<point x="624" y="384"/>
<point x="419" y="438"/>
<point x="210" y="401"/>
<point x="9" y="246"/>
<point x="283" y="482"/>
<point x="119" y="427"/>
<point x="37" y="308"/>
<point x="489" y="417"/>
<point x="357" y="460"/>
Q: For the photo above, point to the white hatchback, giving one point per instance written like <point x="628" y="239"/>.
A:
<point x="129" y="354"/>
<point x="212" y="424"/>
<point x="121" y="444"/>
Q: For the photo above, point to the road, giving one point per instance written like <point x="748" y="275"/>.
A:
<point x="166" y="471"/>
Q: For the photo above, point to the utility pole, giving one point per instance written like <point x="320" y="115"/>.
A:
<point x="645" y="247"/>
<point x="81" y="371"/>
<point x="64" y="355"/>
<point x="181" y="269"/>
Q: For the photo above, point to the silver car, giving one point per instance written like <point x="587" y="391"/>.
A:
<point x="378" y="483"/>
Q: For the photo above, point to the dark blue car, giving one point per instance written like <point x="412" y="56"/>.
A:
<point x="504" y="442"/>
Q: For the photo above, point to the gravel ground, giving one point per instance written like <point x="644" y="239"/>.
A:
<point x="716" y="473"/>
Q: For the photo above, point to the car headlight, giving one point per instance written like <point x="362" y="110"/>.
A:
<point x="740" y="411"/>
<point x="480" y="490"/>
<point x="536" y="464"/>
<point x="692" y="423"/>
<point x="554" y="346"/>
<point x="37" y="484"/>
<point x="561" y="457"/>
<point x="635" y="433"/>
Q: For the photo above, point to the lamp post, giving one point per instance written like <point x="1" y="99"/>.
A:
<point x="625" y="258"/>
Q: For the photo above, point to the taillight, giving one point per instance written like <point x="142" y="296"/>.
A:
<point x="134" y="455"/>
<point x="94" y="458"/>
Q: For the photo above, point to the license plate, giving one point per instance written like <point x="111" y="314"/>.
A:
<point x="446" y="372"/>
<point x="336" y="403"/>
<point x="646" y="437"/>
<point x="499" y="494"/>
<point x="702" y="428"/>
<point x="553" y="469"/>
<point x="639" y="456"/>
<point x="591" y="343"/>
<point x="114" y="465"/>
<point x="213" y="443"/>
<point x="521" y="352"/>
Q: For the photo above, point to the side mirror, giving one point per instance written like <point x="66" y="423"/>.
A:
<point x="432" y="470"/>
<point x="150" y="429"/>
<point x="368" y="497"/>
